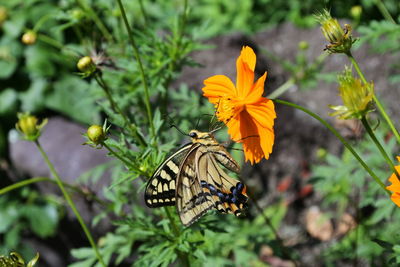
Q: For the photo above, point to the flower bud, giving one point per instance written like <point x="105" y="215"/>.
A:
<point x="357" y="97"/>
<point x="355" y="12"/>
<point x="29" y="126"/>
<point x="96" y="134"/>
<point x="340" y="40"/>
<point x="29" y="38"/>
<point x="304" y="45"/>
<point x="86" y="65"/>
<point x="77" y="14"/>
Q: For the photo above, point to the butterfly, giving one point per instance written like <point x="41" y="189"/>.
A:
<point x="192" y="179"/>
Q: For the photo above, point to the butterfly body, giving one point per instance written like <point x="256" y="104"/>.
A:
<point x="193" y="180"/>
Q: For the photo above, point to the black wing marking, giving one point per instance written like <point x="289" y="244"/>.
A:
<point x="160" y="190"/>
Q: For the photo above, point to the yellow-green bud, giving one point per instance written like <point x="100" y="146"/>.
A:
<point x="355" y="12"/>
<point x="86" y="65"/>
<point x="96" y="134"/>
<point x="357" y="97"/>
<point x="304" y="45"/>
<point x="77" y="14"/>
<point x="29" y="126"/>
<point x="29" y="38"/>
<point x="3" y="14"/>
<point x="340" y="40"/>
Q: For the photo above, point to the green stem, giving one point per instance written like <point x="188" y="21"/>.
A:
<point x="174" y="56"/>
<point x="116" y="155"/>
<point x="376" y="100"/>
<point x="70" y="202"/>
<point x="183" y="257"/>
<point x="143" y="11"/>
<point x="385" y="13"/>
<point x="22" y="183"/>
<point x="132" y="127"/>
<point x="379" y="146"/>
<point x="56" y="44"/>
<point x="142" y="73"/>
<point x="46" y="179"/>
<point x="281" y="89"/>
<point x="96" y="19"/>
<point x="42" y="20"/>
<point x="336" y="133"/>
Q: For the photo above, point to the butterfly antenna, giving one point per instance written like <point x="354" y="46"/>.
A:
<point x="179" y="130"/>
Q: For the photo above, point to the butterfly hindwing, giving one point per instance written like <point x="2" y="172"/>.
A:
<point x="160" y="190"/>
<point x="228" y="194"/>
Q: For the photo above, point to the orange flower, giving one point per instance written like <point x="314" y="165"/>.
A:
<point x="395" y="186"/>
<point x="248" y="115"/>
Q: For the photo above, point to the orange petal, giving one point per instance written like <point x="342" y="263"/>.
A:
<point x="267" y="138"/>
<point x="257" y="90"/>
<point x="396" y="198"/>
<point x="253" y="151"/>
<point x="395" y="186"/>
<point x="263" y="112"/>
<point x="245" y="65"/>
<point x="218" y="86"/>
<point x="234" y="129"/>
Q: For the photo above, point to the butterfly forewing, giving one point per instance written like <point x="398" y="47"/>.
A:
<point x="191" y="200"/>
<point x="160" y="190"/>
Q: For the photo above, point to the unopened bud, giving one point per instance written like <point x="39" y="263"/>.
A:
<point x="304" y="45"/>
<point x="29" y="126"/>
<point x="96" y="134"/>
<point x="86" y="65"/>
<point x="340" y="40"/>
<point x="357" y="97"/>
<point x="29" y="38"/>
<point x="355" y="12"/>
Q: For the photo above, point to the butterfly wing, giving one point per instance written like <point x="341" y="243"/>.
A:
<point x="160" y="190"/>
<point x="228" y="194"/>
<point x="191" y="201"/>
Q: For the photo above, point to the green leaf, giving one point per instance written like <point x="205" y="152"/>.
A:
<point x="71" y="96"/>
<point x="8" y="101"/>
<point x="42" y="220"/>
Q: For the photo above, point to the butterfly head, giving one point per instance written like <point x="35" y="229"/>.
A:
<point x="201" y="137"/>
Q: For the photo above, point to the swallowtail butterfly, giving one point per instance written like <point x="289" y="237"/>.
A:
<point x="192" y="179"/>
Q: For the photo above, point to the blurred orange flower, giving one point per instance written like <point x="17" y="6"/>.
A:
<point x="248" y="115"/>
<point x="395" y="186"/>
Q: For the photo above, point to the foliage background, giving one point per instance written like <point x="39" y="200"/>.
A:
<point x="43" y="79"/>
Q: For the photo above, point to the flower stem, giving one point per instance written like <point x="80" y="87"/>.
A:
<point x="336" y="133"/>
<point x="46" y="179"/>
<point x="143" y="11"/>
<point x="117" y="109"/>
<point x="70" y="202"/>
<point x="22" y="183"/>
<point x="376" y="100"/>
<point x="95" y="19"/>
<point x="281" y="89"/>
<point x="379" y="146"/>
<point x="183" y="257"/>
<point x="385" y="13"/>
<point x="174" y="57"/>
<point x="142" y="73"/>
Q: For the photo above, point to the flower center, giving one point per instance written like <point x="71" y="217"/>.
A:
<point x="227" y="108"/>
